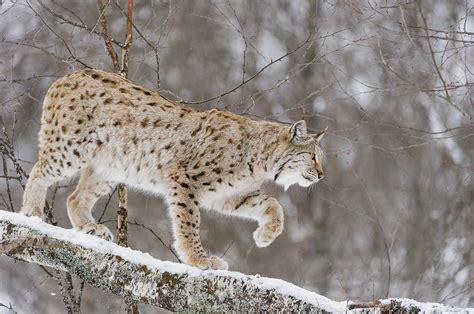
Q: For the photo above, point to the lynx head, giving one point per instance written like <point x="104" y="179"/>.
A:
<point x="300" y="157"/>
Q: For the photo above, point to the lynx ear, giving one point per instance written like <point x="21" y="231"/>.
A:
<point x="298" y="132"/>
<point x="320" y="135"/>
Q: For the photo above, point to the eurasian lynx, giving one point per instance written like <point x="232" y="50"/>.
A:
<point x="114" y="131"/>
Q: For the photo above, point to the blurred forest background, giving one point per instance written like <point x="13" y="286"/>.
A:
<point x="392" y="80"/>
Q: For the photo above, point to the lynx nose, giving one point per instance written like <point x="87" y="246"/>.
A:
<point x="320" y="175"/>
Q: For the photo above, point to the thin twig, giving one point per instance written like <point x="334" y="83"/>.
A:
<point x="9" y="307"/>
<point x="433" y="58"/>
<point x="7" y="180"/>
<point x="81" y="24"/>
<point x="107" y="204"/>
<point x="135" y="223"/>
<point x="308" y="40"/>
<point x="72" y="55"/>
<point x="149" y="44"/>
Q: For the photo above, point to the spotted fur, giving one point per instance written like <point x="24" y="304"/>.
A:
<point x="113" y="131"/>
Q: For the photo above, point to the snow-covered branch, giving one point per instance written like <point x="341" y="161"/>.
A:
<point x="142" y="278"/>
<point x="136" y="275"/>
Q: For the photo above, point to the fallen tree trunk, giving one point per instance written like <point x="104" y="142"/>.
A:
<point x="173" y="286"/>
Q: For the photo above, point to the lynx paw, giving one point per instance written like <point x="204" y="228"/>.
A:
<point x="35" y="212"/>
<point x="98" y="230"/>
<point x="213" y="262"/>
<point x="218" y="263"/>
<point x="264" y="236"/>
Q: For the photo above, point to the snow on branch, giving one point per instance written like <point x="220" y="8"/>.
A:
<point x="176" y="287"/>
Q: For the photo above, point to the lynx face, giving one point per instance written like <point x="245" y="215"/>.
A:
<point x="301" y="162"/>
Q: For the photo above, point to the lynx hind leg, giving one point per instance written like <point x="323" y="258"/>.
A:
<point x="81" y="202"/>
<point x="34" y="197"/>
<point x="265" y="210"/>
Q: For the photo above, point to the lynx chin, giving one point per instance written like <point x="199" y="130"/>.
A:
<point x="112" y="131"/>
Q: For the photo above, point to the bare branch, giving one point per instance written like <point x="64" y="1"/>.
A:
<point x="122" y="216"/>
<point x="147" y="42"/>
<point x="66" y="45"/>
<point x="80" y="24"/>
<point x="135" y="223"/>
<point x="105" y="33"/>
<point x="431" y="50"/>
<point x="433" y="58"/>
<point x="9" y="307"/>
<point x="308" y="40"/>
<point x="128" y="40"/>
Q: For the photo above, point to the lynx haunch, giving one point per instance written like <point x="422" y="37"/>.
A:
<point x="112" y="131"/>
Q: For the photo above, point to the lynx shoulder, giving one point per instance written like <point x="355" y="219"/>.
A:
<point x="112" y="131"/>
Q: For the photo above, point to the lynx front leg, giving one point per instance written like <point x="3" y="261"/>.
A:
<point x="186" y="218"/>
<point x="264" y="209"/>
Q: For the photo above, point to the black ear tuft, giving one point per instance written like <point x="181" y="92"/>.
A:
<point x="298" y="132"/>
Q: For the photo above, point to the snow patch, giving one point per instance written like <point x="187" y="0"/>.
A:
<point x="427" y="307"/>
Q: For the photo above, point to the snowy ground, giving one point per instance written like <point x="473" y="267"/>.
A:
<point x="141" y="258"/>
